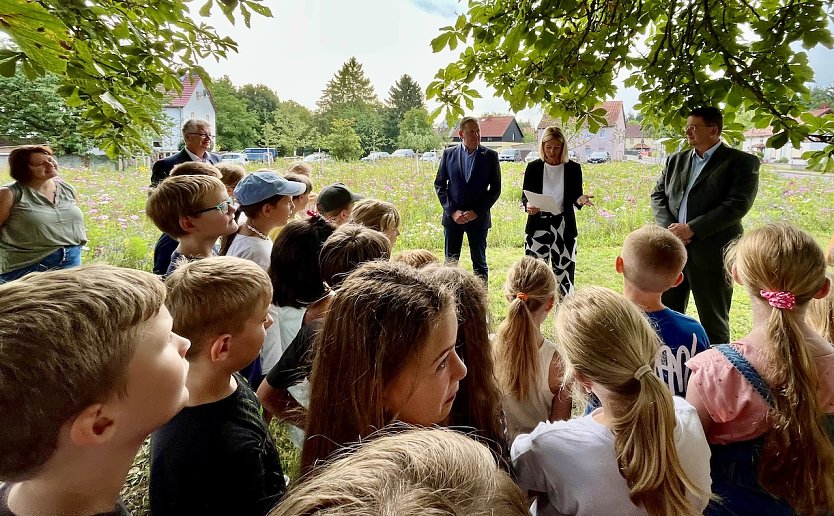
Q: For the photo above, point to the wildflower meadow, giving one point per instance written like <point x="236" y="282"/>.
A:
<point x="120" y="234"/>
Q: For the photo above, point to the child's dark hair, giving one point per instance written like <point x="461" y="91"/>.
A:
<point x="348" y="247"/>
<point x="294" y="264"/>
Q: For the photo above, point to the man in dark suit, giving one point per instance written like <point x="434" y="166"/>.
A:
<point x="468" y="183"/>
<point x="701" y="196"/>
<point x="198" y="138"/>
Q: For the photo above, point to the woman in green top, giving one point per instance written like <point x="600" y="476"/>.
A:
<point x="41" y="225"/>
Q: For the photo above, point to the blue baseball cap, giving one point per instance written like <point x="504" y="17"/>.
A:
<point x="263" y="184"/>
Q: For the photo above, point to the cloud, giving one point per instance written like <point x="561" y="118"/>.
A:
<point x="443" y="8"/>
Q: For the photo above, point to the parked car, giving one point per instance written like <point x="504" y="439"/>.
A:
<point x="316" y="157"/>
<point x="532" y="156"/>
<point x="375" y="156"/>
<point x="265" y="154"/>
<point x="572" y="155"/>
<point x="403" y="153"/>
<point x="599" y="157"/>
<point x="237" y="158"/>
<point x="510" y="155"/>
<point x="430" y="156"/>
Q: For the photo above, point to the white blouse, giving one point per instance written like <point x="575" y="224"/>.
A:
<point x="553" y="184"/>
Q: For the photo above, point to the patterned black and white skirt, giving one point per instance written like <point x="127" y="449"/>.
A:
<point x="549" y="243"/>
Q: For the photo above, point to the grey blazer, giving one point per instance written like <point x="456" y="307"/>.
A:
<point x="721" y="196"/>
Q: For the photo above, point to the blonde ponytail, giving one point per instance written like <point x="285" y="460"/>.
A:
<point x="530" y="284"/>
<point x="797" y="461"/>
<point x="607" y="339"/>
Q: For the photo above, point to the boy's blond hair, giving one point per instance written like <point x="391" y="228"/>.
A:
<point x="195" y="168"/>
<point x="375" y="214"/>
<point x="412" y="472"/>
<point x="214" y="296"/>
<point x="417" y="258"/>
<point x="299" y="167"/>
<point x="653" y="258"/>
<point x="230" y="173"/>
<point x="66" y="339"/>
<point x="179" y="196"/>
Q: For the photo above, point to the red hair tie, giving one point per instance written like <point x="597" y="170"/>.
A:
<point x="312" y="213"/>
<point x="780" y="300"/>
<point x="522" y="296"/>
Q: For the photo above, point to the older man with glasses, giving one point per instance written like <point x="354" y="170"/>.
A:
<point x="701" y="197"/>
<point x="198" y="141"/>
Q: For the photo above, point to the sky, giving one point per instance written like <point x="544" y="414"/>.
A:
<point x="299" y="49"/>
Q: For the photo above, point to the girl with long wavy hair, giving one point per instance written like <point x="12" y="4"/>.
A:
<point x="643" y="451"/>
<point x="766" y="401"/>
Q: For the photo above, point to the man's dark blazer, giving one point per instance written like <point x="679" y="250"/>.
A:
<point x="478" y="195"/>
<point x="721" y="196"/>
<point x="162" y="167"/>
<point x="534" y="181"/>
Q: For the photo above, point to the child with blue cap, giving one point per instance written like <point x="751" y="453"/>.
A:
<point x="266" y="199"/>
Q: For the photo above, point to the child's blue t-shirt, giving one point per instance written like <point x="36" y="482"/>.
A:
<point x="682" y="338"/>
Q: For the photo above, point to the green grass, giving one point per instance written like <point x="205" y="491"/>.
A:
<point x="120" y="234"/>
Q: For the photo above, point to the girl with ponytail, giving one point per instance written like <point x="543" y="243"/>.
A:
<point x="643" y="451"/>
<point x="766" y="401"/>
<point x="528" y="369"/>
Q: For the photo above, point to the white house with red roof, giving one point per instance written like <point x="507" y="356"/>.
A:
<point x="610" y="138"/>
<point x="195" y="101"/>
<point x="755" y="141"/>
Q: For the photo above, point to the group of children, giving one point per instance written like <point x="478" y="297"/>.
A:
<point x="371" y="354"/>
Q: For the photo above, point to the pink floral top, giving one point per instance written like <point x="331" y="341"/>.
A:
<point x="738" y="411"/>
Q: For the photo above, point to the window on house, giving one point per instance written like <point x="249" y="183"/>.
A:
<point x="601" y="134"/>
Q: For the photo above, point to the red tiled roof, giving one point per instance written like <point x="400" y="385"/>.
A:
<point x="822" y="111"/>
<point x="634" y="131"/>
<point x="494" y="126"/>
<point x="755" y="133"/>
<point x="189" y="84"/>
<point x="613" y="110"/>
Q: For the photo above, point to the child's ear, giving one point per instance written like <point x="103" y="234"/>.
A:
<point x="618" y="264"/>
<point x="187" y="224"/>
<point x="584" y="381"/>
<point x="678" y="281"/>
<point x="551" y="301"/>
<point x="344" y="214"/>
<point x="220" y="347"/>
<point x="735" y="276"/>
<point x="92" y="426"/>
<point x="826" y="287"/>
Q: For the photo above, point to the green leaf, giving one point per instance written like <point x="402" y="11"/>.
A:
<point x="205" y="10"/>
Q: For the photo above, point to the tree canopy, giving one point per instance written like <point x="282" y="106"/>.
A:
<point x="349" y="88"/>
<point x="115" y="60"/>
<point x="565" y="55"/>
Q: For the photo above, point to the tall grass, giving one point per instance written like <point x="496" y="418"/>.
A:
<point x="120" y="234"/>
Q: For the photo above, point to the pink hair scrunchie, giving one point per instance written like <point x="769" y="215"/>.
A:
<point x="780" y="300"/>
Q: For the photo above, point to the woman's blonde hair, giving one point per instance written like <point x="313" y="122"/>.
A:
<point x="380" y="319"/>
<point x="820" y="312"/>
<point x="530" y="284"/>
<point x="375" y="214"/>
<point x="411" y="472"/>
<point x="554" y="133"/>
<point x="605" y="338"/>
<point x="797" y="461"/>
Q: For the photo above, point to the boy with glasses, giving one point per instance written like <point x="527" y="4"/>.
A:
<point x="196" y="211"/>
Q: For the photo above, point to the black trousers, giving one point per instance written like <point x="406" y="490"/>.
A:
<point x="713" y="295"/>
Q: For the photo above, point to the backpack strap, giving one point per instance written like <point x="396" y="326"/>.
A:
<point x="747" y="371"/>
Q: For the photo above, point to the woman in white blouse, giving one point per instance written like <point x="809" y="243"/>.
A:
<point x="551" y="235"/>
